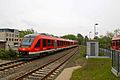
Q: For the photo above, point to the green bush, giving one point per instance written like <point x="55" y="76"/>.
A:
<point x="7" y="54"/>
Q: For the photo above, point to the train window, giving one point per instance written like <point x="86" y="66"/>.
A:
<point x="38" y="44"/>
<point x="119" y="42"/>
<point x="65" y="43"/>
<point x="44" y="42"/>
<point x="116" y="43"/>
<point x="27" y="41"/>
<point x="52" y="43"/>
<point x="113" y="43"/>
<point x="58" y="43"/>
<point x="62" y="43"/>
<point x="49" y="43"/>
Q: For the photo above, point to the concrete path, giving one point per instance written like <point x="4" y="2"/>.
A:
<point x="67" y="73"/>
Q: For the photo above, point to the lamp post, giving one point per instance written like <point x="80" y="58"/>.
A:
<point x="89" y="35"/>
<point x="95" y="30"/>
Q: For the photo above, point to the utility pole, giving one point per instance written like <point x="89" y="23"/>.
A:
<point x="95" y="30"/>
<point x="89" y="35"/>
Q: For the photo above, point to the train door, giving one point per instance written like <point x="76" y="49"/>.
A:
<point x="55" y="44"/>
<point x="113" y="44"/>
<point x="44" y="44"/>
<point x="119" y="44"/>
<point x="52" y="44"/>
<point x="49" y="44"/>
<point x="37" y="46"/>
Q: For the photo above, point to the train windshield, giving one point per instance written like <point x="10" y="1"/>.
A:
<point x="27" y="41"/>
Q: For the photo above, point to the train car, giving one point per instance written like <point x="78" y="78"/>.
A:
<point x="36" y="44"/>
<point x="115" y="43"/>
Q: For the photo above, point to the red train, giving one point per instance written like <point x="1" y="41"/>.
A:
<point x="116" y="43"/>
<point x="36" y="44"/>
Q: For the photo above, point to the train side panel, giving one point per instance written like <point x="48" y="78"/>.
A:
<point x="40" y="43"/>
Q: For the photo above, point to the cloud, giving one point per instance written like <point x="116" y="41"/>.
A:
<point x="29" y="23"/>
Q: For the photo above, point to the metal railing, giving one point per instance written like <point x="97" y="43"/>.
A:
<point x="116" y="60"/>
<point x="105" y="52"/>
<point x="115" y="55"/>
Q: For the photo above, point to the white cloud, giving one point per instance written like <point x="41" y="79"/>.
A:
<point x="61" y="16"/>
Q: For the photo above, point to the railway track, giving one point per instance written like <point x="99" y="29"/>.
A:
<point x="14" y="64"/>
<point x="15" y="69"/>
<point x="11" y="64"/>
<point x="49" y="70"/>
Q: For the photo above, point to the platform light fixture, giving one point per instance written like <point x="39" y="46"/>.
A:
<point x="95" y="30"/>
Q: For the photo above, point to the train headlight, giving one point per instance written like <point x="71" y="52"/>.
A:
<point x="23" y="49"/>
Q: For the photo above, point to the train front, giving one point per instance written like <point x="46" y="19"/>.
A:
<point x="25" y="45"/>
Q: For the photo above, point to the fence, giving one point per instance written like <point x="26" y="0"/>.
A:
<point x="105" y="52"/>
<point x="115" y="56"/>
<point x="116" y="61"/>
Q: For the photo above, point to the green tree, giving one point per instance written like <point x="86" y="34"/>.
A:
<point x="80" y="39"/>
<point x="69" y="36"/>
<point x="85" y="40"/>
<point x="104" y="41"/>
<point x="25" y="32"/>
<point x="109" y="34"/>
<point x="117" y="32"/>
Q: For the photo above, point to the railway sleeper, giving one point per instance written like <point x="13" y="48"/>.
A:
<point x="9" y="66"/>
<point x="42" y="72"/>
<point x="36" y="74"/>
<point x="49" y="78"/>
<point x="50" y="67"/>
<point x="54" y="73"/>
<point x="48" y="70"/>
<point x="39" y="72"/>
<point x="31" y="78"/>
<point x="27" y="79"/>
<point x="34" y="77"/>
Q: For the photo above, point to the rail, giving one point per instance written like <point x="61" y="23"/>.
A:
<point x="50" y="66"/>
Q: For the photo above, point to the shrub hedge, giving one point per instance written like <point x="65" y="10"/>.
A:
<point x="7" y="54"/>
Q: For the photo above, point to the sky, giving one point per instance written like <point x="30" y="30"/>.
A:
<point x="60" y="17"/>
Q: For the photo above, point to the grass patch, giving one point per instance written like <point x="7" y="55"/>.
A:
<point x="94" y="69"/>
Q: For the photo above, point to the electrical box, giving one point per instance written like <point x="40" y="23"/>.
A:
<point x="92" y="49"/>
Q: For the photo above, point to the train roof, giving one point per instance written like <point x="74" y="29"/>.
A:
<point x="31" y="35"/>
<point x="116" y="38"/>
<point x="48" y="37"/>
